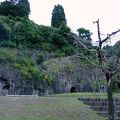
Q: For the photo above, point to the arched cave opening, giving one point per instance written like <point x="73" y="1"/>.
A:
<point x="73" y="90"/>
<point x="5" y="85"/>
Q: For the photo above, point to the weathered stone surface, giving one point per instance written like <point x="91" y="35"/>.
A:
<point x="69" y="73"/>
<point x="12" y="82"/>
<point x="64" y="73"/>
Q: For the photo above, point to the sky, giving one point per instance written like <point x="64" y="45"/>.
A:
<point x="81" y="13"/>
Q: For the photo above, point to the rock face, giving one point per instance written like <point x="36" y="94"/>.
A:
<point x="71" y="76"/>
<point x="62" y="75"/>
<point x="12" y="82"/>
<point x="82" y="80"/>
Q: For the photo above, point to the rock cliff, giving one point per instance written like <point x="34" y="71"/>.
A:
<point x="70" y="75"/>
<point x="20" y="74"/>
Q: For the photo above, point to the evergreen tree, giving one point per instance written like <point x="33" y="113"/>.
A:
<point x="58" y="16"/>
<point x="25" y="6"/>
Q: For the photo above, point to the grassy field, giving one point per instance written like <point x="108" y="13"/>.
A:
<point x="86" y="95"/>
<point x="57" y="107"/>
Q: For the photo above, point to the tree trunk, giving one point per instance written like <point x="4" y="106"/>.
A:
<point x="111" y="107"/>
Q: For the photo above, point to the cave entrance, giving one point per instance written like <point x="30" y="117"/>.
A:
<point x="4" y="86"/>
<point x="73" y="90"/>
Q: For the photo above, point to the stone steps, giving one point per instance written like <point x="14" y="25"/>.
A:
<point x="98" y="99"/>
<point x="101" y="106"/>
<point x="100" y="103"/>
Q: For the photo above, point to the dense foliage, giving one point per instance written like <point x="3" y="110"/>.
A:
<point x="58" y="16"/>
<point x="19" y="32"/>
<point x="15" y="8"/>
<point x="24" y="6"/>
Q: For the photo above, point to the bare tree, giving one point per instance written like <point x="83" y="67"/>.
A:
<point x="109" y="69"/>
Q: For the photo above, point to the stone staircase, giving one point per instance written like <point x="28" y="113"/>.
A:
<point x="101" y="106"/>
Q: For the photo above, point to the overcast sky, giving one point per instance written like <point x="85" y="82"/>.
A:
<point x="80" y="13"/>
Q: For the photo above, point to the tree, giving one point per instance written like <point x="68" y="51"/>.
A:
<point x="15" y="8"/>
<point x="6" y="8"/>
<point x="58" y="16"/>
<point x="59" y="37"/>
<point x="109" y="66"/>
<point x="85" y="35"/>
<point x="25" y="6"/>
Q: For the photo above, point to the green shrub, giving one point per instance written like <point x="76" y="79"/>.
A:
<point x="59" y="54"/>
<point x="46" y="33"/>
<point x="4" y="32"/>
<point x="41" y="58"/>
<point x="47" y="46"/>
<point x="28" y="69"/>
<point x="59" y="40"/>
<point x="68" y="50"/>
<point x="7" y="55"/>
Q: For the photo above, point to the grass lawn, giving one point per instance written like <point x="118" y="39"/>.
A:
<point x="86" y="95"/>
<point x="57" y="107"/>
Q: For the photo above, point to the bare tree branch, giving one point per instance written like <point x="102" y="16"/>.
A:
<point x="117" y="69"/>
<point x="95" y="65"/>
<point x="77" y="55"/>
<point x="109" y="35"/>
<point x="79" y="42"/>
<point x="98" y="30"/>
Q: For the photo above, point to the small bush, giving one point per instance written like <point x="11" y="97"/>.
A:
<point x="41" y="58"/>
<point x="7" y="55"/>
<point x="47" y="46"/>
<point x="68" y="50"/>
<point x="28" y="69"/>
<point x="59" y="54"/>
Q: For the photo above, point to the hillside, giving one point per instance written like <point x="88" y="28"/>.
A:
<point x="21" y="33"/>
<point x="39" y="63"/>
<point x="36" y="58"/>
<point x="42" y="58"/>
